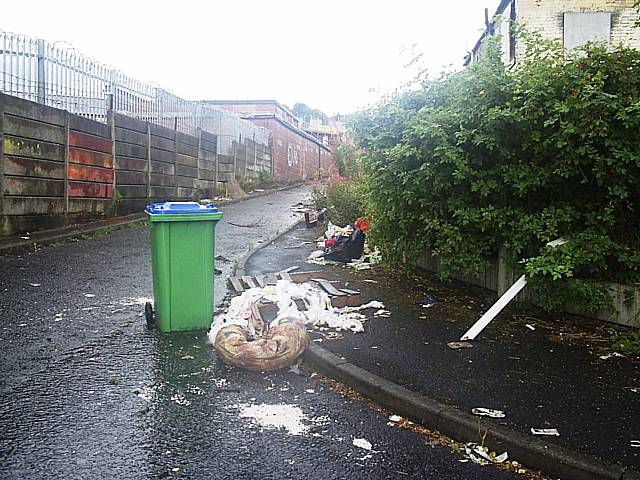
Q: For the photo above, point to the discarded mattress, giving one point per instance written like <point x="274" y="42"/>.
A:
<point x="278" y="349"/>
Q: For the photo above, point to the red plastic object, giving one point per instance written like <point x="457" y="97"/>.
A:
<point x="329" y="243"/>
<point x="362" y="224"/>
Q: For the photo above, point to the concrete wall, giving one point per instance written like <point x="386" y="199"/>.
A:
<point x="499" y="277"/>
<point x="58" y="168"/>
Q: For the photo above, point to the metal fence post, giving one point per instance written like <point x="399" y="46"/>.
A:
<point x="148" y="160"/>
<point x="1" y="153"/>
<point x="41" y="72"/>
<point x="66" y="166"/>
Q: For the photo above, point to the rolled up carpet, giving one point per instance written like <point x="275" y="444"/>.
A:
<point x="278" y="349"/>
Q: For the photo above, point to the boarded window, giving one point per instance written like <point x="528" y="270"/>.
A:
<point x="583" y="27"/>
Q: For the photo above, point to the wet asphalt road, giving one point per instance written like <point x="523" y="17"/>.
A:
<point x="551" y="377"/>
<point x="86" y="391"/>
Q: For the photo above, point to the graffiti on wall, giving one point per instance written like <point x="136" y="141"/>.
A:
<point x="293" y="155"/>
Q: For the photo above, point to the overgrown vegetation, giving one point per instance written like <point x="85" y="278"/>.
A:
<point x="343" y="199"/>
<point x="489" y="158"/>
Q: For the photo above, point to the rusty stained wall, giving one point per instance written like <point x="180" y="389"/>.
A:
<point x="57" y="168"/>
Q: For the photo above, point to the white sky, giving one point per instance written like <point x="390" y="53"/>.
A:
<point x="333" y="55"/>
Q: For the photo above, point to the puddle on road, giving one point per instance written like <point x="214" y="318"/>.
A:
<point x="275" y="417"/>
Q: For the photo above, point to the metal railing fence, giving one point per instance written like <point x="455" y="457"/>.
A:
<point x="57" y="75"/>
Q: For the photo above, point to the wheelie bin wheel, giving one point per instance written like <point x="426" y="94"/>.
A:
<point x="148" y="314"/>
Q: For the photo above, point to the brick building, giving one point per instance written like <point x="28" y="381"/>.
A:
<point x="574" y="22"/>
<point x="296" y="155"/>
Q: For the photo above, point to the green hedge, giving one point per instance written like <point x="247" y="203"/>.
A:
<point x="487" y="157"/>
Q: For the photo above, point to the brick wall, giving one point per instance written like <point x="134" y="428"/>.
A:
<point x="547" y="17"/>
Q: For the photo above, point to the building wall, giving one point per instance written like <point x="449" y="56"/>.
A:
<point x="547" y="17"/>
<point x="295" y="157"/>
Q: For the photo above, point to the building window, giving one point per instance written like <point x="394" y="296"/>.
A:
<point x="583" y="27"/>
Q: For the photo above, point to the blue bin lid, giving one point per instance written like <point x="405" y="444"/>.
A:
<point x="180" y="207"/>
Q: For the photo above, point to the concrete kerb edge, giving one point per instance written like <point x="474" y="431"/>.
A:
<point x="90" y="228"/>
<point x="463" y="426"/>
<point x="535" y="454"/>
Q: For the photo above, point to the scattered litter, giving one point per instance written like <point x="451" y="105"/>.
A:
<point x="382" y="313"/>
<point x="89" y="295"/>
<point x="317" y="340"/>
<point x="427" y="302"/>
<point x="395" y="418"/>
<point x="610" y="355"/>
<point x="530" y="327"/>
<point x="545" y="431"/>
<point x="310" y="390"/>
<point x="22" y="325"/>
<point x="457" y="345"/>
<point x="315" y="255"/>
<point x="26" y="238"/>
<point x="274" y="417"/>
<point x="371" y="304"/>
<point x="35" y="284"/>
<point x="635" y="390"/>
<point x="362" y="443"/>
<point x="370" y="281"/>
<point x="290" y="269"/>
<point x="635" y="444"/>
<point x="481" y="455"/>
<point x="488" y="412"/>
<point x="180" y="399"/>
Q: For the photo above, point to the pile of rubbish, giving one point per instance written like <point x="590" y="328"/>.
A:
<point x="242" y="338"/>
<point x="346" y="245"/>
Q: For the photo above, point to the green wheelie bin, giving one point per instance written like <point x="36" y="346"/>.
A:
<point x="183" y="259"/>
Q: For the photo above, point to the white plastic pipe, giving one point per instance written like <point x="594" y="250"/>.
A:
<point x="495" y="309"/>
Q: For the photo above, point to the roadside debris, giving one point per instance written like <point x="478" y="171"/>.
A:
<point x="427" y="302"/>
<point x="244" y="339"/>
<point x="611" y="355"/>
<point x="35" y="284"/>
<point x="362" y="443"/>
<point x="488" y="412"/>
<point x="458" y="345"/>
<point x="395" y="418"/>
<point x="545" y="431"/>
<point x="635" y="444"/>
<point x="530" y="327"/>
<point x="482" y="456"/>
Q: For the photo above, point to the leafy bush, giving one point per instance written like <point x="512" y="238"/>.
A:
<point x="342" y="198"/>
<point x="486" y="158"/>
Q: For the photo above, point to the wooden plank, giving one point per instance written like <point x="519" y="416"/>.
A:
<point x="36" y="187"/>
<point x="91" y="206"/>
<point x="184" y="171"/>
<point x="207" y="175"/>
<point x="131" y="136"/>
<point x="209" y="146"/>
<point x="87" y="157"/>
<point x="185" y="182"/>
<point x="27" y="109"/>
<point x="85" y="125"/>
<point x="260" y="280"/>
<point x="33" y="205"/>
<point x="133" y="164"/>
<point x="163" y="180"/>
<point x="327" y="287"/>
<point x="22" y="127"/>
<point x="163" y="192"/>
<point x="189" y="150"/>
<point x="163" y="144"/>
<point x="29" y="167"/>
<point x="130" y="150"/>
<point x="207" y="165"/>
<point x="90" y="190"/>
<point x="237" y="286"/>
<point x="131" y="178"/>
<point x="225" y="168"/>
<point x="209" y="156"/>
<point x="90" y="174"/>
<point x="285" y="276"/>
<point x="187" y="160"/>
<point x="163" y="156"/>
<point x="123" y="121"/>
<point x="185" y="194"/>
<point x="160" y="131"/>
<point x="249" y="281"/>
<point x="33" y="148"/>
<point x="187" y="139"/>
<point x="132" y="191"/>
<point x="164" y="168"/>
<point x="90" y="142"/>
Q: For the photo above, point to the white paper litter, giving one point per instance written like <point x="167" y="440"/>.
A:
<point x="611" y="355"/>
<point x="545" y="431"/>
<point x="362" y="443"/>
<point x="488" y="412"/>
<point x="530" y="327"/>
<point x="395" y="418"/>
